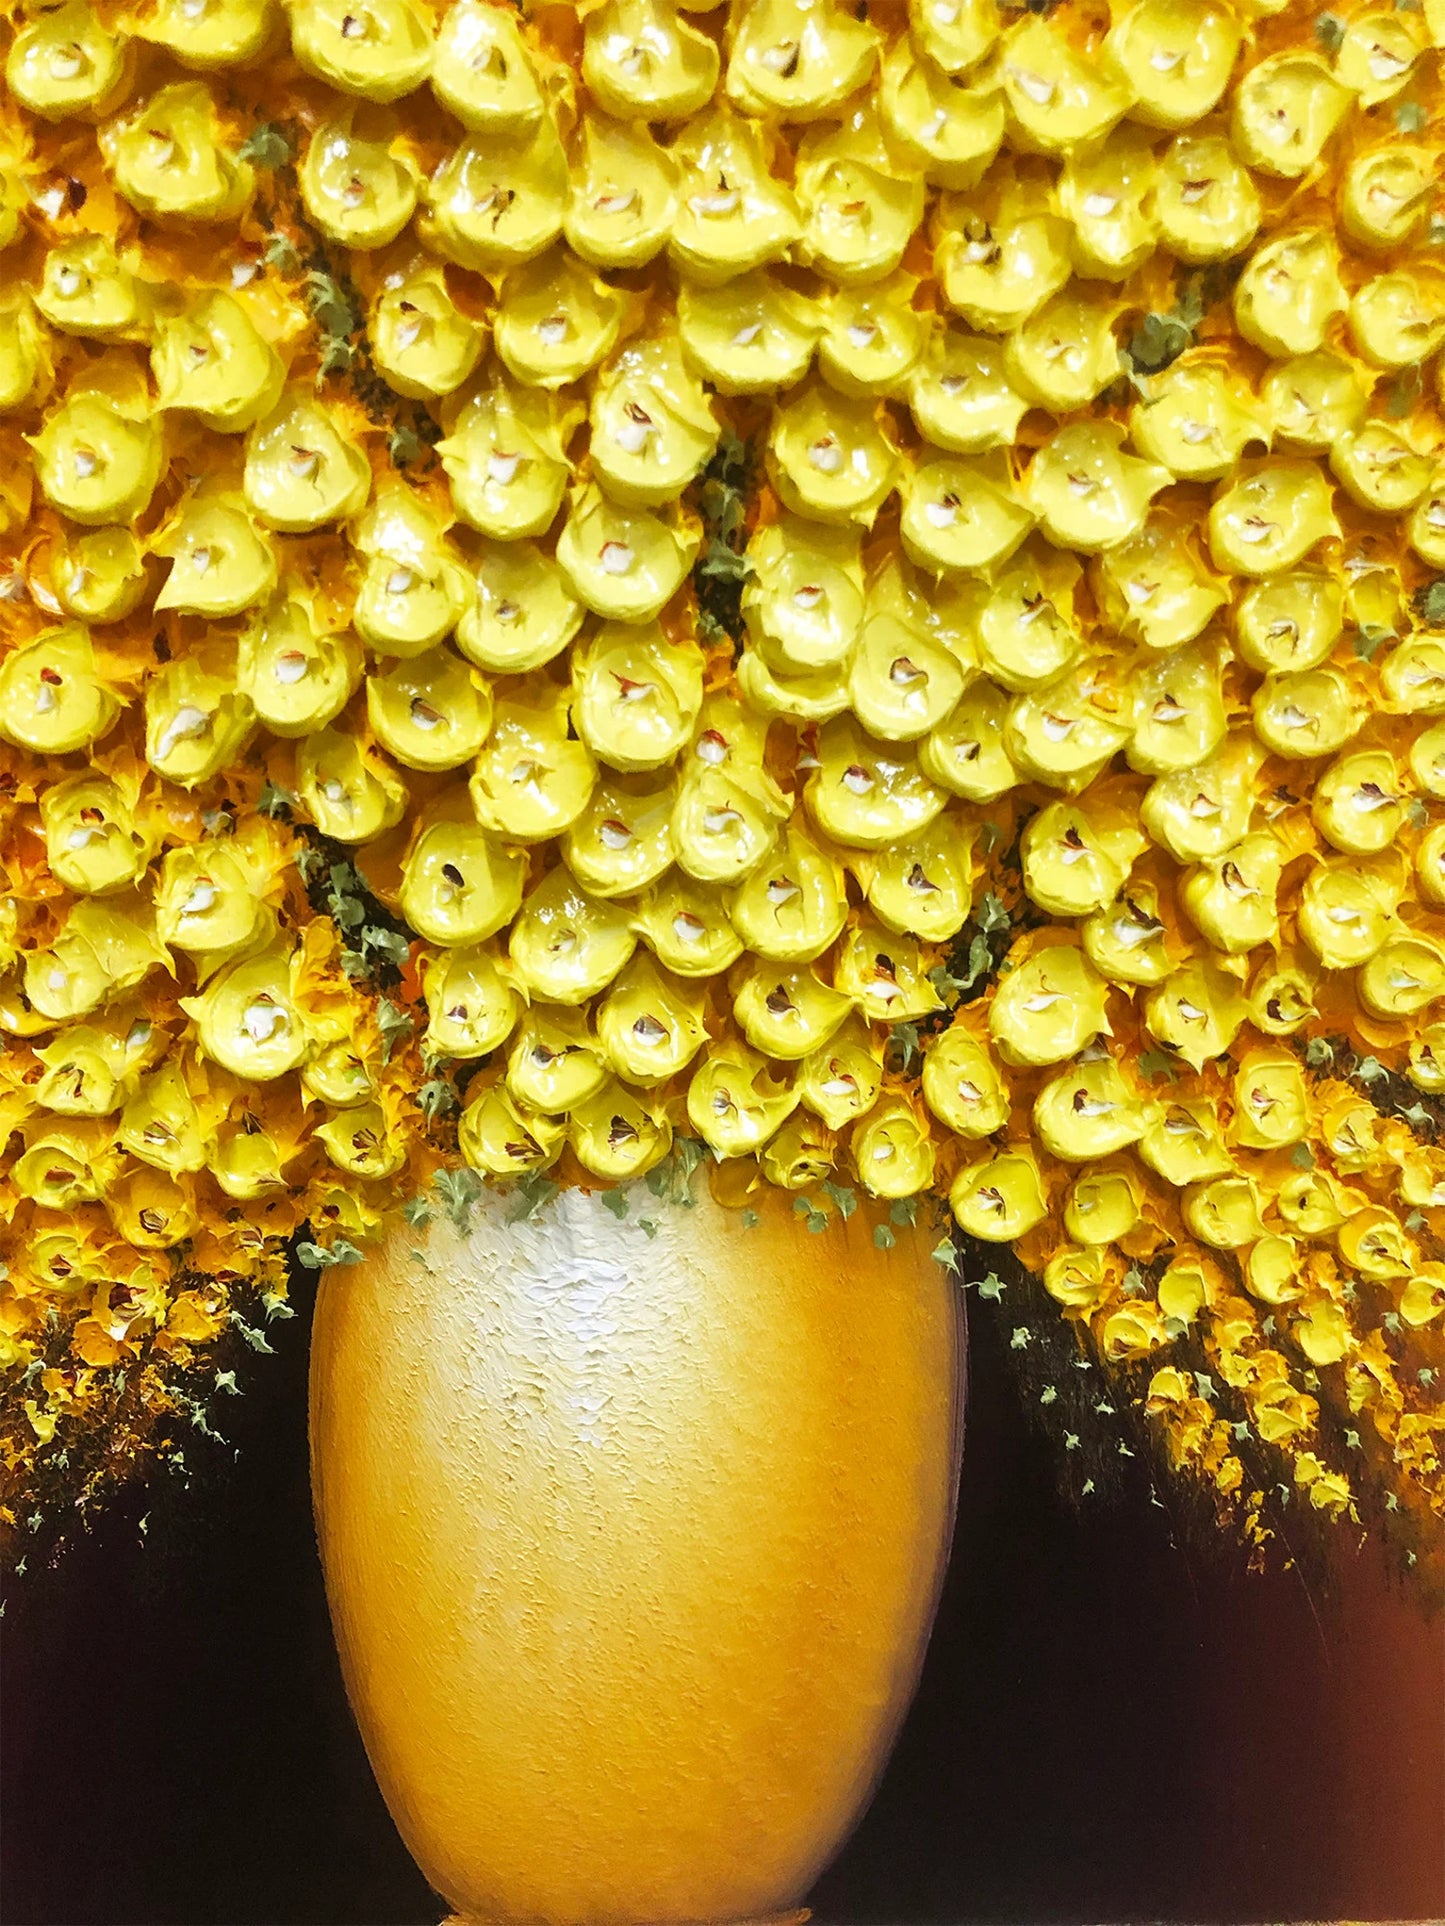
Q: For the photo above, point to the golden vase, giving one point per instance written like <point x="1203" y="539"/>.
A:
<point x="633" y="1538"/>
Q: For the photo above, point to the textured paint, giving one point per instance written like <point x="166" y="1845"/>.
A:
<point x="632" y="1545"/>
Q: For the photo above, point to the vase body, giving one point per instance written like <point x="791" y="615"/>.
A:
<point x="632" y="1544"/>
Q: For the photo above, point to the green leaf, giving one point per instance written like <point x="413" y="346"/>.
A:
<point x="903" y="1046"/>
<point x="417" y="1212"/>
<point x="255" y="1338"/>
<point x="1329" y="31"/>
<point x="1020" y="1338"/>
<point x="1431" y="602"/>
<point x="720" y="563"/>
<point x="309" y="861"/>
<point x="1302" y="1157"/>
<point x="980" y="960"/>
<point x="649" y="1224"/>
<point x="750" y="1220"/>
<point x="1154" y="1063"/>
<point x="395" y="1025"/>
<point x="710" y="632"/>
<point x="1370" y="638"/>
<point x="1410" y="117"/>
<point x="321" y="1257"/>
<point x="379" y="944"/>
<point x="275" y="801"/>
<point x="404" y="444"/>
<point x="1048" y="1394"/>
<point x="903" y="1210"/>
<point x="671" y="1180"/>
<point x="992" y="915"/>
<point x="1158" y="341"/>
<point x="616" y="1202"/>
<point x="1319" y="1053"/>
<point x="336" y="357"/>
<point x="1417" y="1114"/>
<point x="1416" y="1221"/>
<point x="273" y="1304"/>
<point x="1417" y="812"/>
<point x="437" y="1098"/>
<point x="330" y="307"/>
<point x="532" y="1191"/>
<point x="266" y="146"/>
<point x="883" y="1238"/>
<point x="817" y="1221"/>
<point x="992" y="1287"/>
<point x="459" y="1191"/>
<point x="1133" y="1282"/>
<point x="943" y="1253"/>
<point x="845" y="1199"/>
<point x="948" y="986"/>
<point x="1370" y="1070"/>
<point x="282" y="256"/>
<point x="1404" y="391"/>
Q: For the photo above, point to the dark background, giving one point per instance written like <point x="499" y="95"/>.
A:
<point x="1109" y="1727"/>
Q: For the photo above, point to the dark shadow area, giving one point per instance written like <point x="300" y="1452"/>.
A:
<point x="1108" y="1728"/>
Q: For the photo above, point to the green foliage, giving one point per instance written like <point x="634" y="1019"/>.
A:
<point x="321" y="1257"/>
<point x="404" y="445"/>
<point x="1431" y="602"/>
<point x="369" y="948"/>
<point x="275" y="801"/>
<point x="1370" y="637"/>
<point x="437" y="1098"/>
<point x="722" y="563"/>
<point x="1329" y="31"/>
<point x="250" y="1335"/>
<point x="842" y="1196"/>
<point x="902" y="1048"/>
<point x="395" y="1025"/>
<point x="281" y="255"/>
<point x="337" y="319"/>
<point x="459" y="1192"/>
<point x="531" y="1192"/>
<point x="671" y="1180"/>
<point x="266" y="146"/>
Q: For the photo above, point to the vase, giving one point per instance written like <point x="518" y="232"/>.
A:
<point x="633" y="1532"/>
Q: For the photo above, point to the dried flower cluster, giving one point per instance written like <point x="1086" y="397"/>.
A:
<point x="859" y="586"/>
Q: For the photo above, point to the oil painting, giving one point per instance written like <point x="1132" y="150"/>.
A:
<point x="722" y="974"/>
